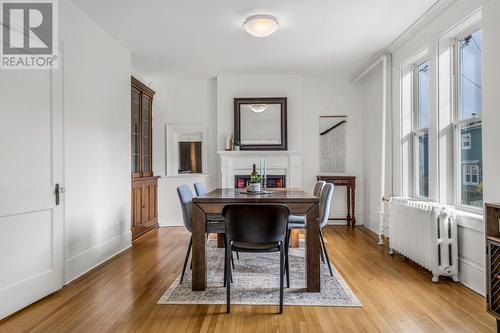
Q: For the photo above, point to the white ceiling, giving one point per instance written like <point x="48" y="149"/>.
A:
<point x="205" y="37"/>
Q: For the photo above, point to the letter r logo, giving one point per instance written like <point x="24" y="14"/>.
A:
<point x="27" y="27"/>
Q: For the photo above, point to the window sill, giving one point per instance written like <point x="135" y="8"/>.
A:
<point x="469" y="211"/>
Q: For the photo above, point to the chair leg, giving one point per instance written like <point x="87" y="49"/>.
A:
<point x="282" y="264"/>
<point x="288" y="234"/>
<point x="326" y="253"/>
<point x="237" y="255"/>
<point x="232" y="259"/>
<point x="225" y="264"/>
<point x="228" y="274"/>
<point x="187" y="257"/>
<point x="287" y="265"/>
<point x="321" y="254"/>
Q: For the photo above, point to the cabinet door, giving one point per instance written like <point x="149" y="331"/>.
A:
<point x="137" y="207"/>
<point x="136" y="133"/>
<point x="146" y="135"/>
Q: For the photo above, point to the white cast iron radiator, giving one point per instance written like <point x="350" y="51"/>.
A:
<point x="425" y="233"/>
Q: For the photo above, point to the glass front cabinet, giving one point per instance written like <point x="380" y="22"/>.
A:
<point x="144" y="184"/>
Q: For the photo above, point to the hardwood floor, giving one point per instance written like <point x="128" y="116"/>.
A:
<point x="121" y="296"/>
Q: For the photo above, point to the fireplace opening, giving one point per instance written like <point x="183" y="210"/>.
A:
<point x="190" y="157"/>
<point x="272" y="181"/>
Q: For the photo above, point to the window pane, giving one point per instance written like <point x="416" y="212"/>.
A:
<point x="471" y="160"/>
<point x="423" y="95"/>
<point x="423" y="164"/>
<point x="470" y="80"/>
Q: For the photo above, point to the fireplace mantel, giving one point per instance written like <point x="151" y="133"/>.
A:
<point x="288" y="163"/>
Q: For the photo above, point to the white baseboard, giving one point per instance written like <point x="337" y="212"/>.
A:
<point x="84" y="261"/>
<point x="472" y="275"/>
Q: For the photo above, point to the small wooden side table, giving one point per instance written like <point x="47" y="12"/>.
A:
<point x="350" y="183"/>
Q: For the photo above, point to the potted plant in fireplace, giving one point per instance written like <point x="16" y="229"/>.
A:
<point x="254" y="185"/>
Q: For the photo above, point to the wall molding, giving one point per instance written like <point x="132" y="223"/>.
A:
<point x="89" y="259"/>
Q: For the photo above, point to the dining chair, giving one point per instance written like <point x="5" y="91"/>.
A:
<point x="186" y="199"/>
<point x="256" y="229"/>
<point x="316" y="192"/>
<point x="325" y="200"/>
<point x="200" y="190"/>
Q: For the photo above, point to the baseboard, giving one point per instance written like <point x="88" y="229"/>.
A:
<point x="472" y="275"/>
<point x="170" y="219"/>
<point x="85" y="261"/>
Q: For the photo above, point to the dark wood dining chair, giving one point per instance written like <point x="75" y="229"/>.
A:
<point x="256" y="229"/>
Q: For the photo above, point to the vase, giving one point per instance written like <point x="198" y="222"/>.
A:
<point x="254" y="187"/>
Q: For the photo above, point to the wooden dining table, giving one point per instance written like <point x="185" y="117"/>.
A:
<point x="299" y="203"/>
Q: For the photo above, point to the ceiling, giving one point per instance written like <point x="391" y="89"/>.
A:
<point x="204" y="38"/>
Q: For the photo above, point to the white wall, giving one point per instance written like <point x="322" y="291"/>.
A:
<point x="96" y="142"/>
<point x="333" y="95"/>
<point x="471" y="226"/>
<point x="181" y="101"/>
<point x="309" y="96"/>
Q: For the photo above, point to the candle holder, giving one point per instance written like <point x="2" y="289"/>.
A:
<point x="264" y="182"/>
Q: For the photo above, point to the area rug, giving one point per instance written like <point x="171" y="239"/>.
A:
<point x="256" y="281"/>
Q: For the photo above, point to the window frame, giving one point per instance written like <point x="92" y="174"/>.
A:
<point x="416" y="130"/>
<point x="457" y="123"/>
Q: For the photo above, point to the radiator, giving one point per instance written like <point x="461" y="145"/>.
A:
<point x="425" y="233"/>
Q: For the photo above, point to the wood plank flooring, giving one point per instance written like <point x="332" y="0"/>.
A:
<point x="121" y="296"/>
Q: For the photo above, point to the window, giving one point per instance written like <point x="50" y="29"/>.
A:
<point x="468" y="121"/>
<point x="421" y="129"/>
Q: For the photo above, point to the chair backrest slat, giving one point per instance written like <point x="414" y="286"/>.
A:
<point x="256" y="223"/>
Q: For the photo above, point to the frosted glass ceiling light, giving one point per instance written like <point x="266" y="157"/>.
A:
<point x="258" y="108"/>
<point x="261" y="25"/>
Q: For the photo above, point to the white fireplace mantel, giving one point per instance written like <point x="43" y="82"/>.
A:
<point x="288" y="163"/>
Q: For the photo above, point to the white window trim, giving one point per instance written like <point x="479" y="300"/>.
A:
<point x="457" y="123"/>
<point x="417" y="131"/>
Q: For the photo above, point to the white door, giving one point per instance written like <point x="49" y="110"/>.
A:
<point x="31" y="224"/>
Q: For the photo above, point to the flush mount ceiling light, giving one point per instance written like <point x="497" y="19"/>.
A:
<point x="258" y="108"/>
<point x="261" y="25"/>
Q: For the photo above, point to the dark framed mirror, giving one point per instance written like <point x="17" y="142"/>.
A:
<point x="260" y="123"/>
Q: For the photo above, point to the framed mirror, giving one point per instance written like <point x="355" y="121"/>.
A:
<point x="260" y="123"/>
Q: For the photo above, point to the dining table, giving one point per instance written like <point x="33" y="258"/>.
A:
<point x="298" y="201"/>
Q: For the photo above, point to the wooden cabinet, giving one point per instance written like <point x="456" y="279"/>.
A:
<point x="144" y="184"/>
<point x="144" y="205"/>
<point x="492" y="225"/>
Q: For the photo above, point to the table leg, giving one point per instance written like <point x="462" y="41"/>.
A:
<point x="348" y="195"/>
<point x="199" y="260"/>
<point x="220" y="241"/>
<point x="294" y="237"/>
<point x="353" y="199"/>
<point x="312" y="250"/>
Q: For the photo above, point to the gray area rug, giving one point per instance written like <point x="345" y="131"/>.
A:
<point x="256" y="281"/>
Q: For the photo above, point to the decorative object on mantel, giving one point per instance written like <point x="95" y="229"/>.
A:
<point x="229" y="142"/>
<point x="350" y="183"/>
<point x="332" y="131"/>
<point x="261" y="123"/>
<point x="247" y="289"/>
<point x="236" y="145"/>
